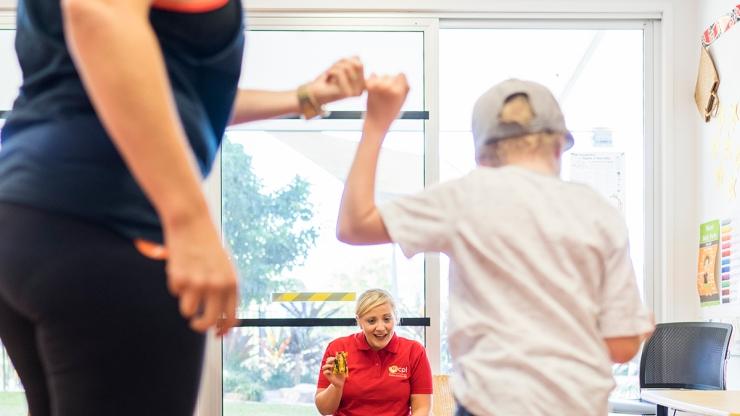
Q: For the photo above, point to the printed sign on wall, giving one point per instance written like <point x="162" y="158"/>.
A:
<point x="707" y="283"/>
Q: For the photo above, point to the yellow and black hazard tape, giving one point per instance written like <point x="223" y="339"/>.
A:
<point x="313" y="297"/>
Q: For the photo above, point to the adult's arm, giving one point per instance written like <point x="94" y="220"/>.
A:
<point x="327" y="399"/>
<point x="421" y="404"/>
<point x="121" y="66"/>
<point x="343" y="79"/>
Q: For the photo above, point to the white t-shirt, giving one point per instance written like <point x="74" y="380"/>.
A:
<point x="540" y="274"/>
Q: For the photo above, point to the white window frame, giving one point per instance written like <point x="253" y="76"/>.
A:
<point x="211" y="394"/>
<point x="651" y="145"/>
<point x="7" y="17"/>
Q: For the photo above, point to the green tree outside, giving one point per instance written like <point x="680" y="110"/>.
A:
<point x="268" y="234"/>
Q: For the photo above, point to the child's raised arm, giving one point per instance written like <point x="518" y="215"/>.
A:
<point x="359" y="221"/>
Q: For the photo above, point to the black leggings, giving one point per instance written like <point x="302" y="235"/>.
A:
<point x="88" y="322"/>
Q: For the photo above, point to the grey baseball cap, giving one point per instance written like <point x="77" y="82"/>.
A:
<point x="487" y="124"/>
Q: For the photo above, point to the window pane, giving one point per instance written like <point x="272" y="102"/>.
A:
<point x="11" y="80"/>
<point x="282" y="182"/>
<point x="306" y="54"/>
<point x="606" y="117"/>
<point x="281" y="193"/>
<point x="273" y="371"/>
<point x="11" y="71"/>
<point x="12" y="398"/>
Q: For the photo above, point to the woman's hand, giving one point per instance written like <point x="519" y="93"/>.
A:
<point x="343" y="79"/>
<point x="201" y="275"/>
<point x="346" y="78"/>
<point x="120" y="63"/>
<point x="337" y="380"/>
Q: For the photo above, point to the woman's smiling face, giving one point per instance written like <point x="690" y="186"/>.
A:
<point x="378" y="324"/>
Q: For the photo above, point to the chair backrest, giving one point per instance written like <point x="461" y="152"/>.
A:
<point x="688" y="355"/>
<point x="443" y="402"/>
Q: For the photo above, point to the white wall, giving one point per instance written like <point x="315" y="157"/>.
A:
<point x="714" y="200"/>
<point x="680" y="301"/>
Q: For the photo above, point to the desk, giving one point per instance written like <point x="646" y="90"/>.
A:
<point x="703" y="402"/>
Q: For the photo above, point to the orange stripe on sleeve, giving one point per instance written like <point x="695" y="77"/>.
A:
<point x="199" y="6"/>
<point x="152" y="250"/>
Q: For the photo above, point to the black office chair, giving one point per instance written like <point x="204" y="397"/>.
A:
<point x="680" y="355"/>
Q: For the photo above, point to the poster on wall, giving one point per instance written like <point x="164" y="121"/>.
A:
<point x="729" y="268"/>
<point x="604" y="171"/>
<point x="707" y="283"/>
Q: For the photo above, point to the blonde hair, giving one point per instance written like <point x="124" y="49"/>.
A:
<point x="517" y="110"/>
<point x="373" y="298"/>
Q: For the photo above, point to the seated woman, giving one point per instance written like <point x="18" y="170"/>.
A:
<point x="384" y="374"/>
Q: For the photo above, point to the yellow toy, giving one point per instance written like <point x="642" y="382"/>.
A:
<point x="340" y="363"/>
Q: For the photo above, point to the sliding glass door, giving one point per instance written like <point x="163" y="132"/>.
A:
<point x="599" y="78"/>
<point x="281" y="183"/>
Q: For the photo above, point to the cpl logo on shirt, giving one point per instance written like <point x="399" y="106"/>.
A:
<point x="396" y="371"/>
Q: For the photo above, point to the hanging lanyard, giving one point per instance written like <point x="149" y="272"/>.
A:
<point x="722" y="25"/>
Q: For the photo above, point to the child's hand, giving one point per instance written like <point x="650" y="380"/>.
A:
<point x="385" y="96"/>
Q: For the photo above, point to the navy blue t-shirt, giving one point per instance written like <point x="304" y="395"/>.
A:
<point x="56" y="155"/>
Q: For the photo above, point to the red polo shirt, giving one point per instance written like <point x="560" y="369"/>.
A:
<point x="380" y="383"/>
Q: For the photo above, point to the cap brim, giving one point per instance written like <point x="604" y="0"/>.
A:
<point x="568" y="141"/>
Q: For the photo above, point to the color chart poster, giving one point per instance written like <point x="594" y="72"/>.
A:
<point x="729" y="267"/>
